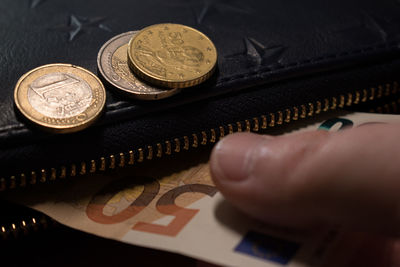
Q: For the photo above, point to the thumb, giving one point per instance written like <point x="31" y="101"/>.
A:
<point x="350" y="177"/>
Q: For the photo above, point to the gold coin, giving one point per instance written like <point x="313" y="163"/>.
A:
<point x="60" y="98"/>
<point x="172" y="55"/>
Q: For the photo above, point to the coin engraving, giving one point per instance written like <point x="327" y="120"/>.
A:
<point x="59" y="95"/>
<point x="113" y="65"/>
<point x="172" y="55"/>
<point x="60" y="98"/>
<point x="119" y="65"/>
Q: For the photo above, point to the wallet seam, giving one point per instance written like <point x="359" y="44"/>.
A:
<point x="262" y="71"/>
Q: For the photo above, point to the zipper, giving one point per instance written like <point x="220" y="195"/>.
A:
<point x="168" y="147"/>
<point x="159" y="150"/>
<point x="25" y="226"/>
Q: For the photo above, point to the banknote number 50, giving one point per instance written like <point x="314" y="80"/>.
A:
<point x="165" y="205"/>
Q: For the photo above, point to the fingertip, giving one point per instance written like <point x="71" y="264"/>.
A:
<point x="252" y="171"/>
<point x="231" y="157"/>
<point x="300" y="179"/>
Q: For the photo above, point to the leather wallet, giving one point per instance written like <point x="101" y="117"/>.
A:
<point x="279" y="62"/>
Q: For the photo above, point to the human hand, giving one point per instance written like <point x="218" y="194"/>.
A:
<point x="350" y="178"/>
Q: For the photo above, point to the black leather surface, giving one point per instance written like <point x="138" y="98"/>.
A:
<point x="261" y="43"/>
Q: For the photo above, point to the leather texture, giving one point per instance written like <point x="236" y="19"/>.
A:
<point x="272" y="54"/>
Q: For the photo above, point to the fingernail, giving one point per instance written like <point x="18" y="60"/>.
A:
<point x="231" y="159"/>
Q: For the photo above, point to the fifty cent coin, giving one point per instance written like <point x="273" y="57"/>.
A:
<point x="112" y="62"/>
<point x="172" y="55"/>
<point x="60" y="98"/>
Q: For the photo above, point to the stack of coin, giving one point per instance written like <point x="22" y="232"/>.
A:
<point x="158" y="61"/>
<point x="154" y="63"/>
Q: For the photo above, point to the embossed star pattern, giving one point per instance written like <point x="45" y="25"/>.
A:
<point x="386" y="29"/>
<point x="222" y="7"/>
<point x="371" y="26"/>
<point x="204" y="8"/>
<point x="259" y="54"/>
<point x="78" y="25"/>
<point x="35" y="3"/>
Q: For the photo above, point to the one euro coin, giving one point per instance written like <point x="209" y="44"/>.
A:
<point x="60" y="98"/>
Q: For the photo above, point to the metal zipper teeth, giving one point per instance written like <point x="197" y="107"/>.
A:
<point x="389" y="108"/>
<point x="25" y="227"/>
<point x="263" y="122"/>
<point x="210" y="136"/>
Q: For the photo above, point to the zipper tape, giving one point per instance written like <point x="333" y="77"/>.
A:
<point x="257" y="124"/>
<point x="207" y="137"/>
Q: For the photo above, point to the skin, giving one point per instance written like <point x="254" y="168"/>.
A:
<point x="349" y="178"/>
